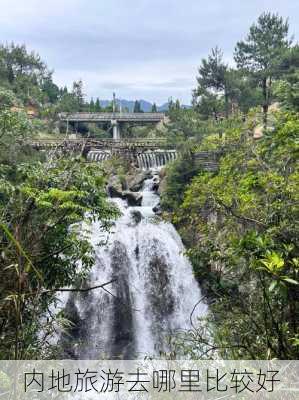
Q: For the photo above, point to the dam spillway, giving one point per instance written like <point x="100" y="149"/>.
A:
<point x="143" y="159"/>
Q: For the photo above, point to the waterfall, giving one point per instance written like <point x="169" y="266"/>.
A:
<point x="145" y="160"/>
<point x="152" y="297"/>
<point x="155" y="159"/>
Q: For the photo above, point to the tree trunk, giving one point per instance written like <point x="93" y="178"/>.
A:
<point x="215" y="114"/>
<point x="226" y="103"/>
<point x="266" y="103"/>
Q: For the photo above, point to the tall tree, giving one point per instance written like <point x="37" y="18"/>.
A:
<point x="170" y="104"/>
<point x="177" y="104"/>
<point x="78" y="94"/>
<point x="261" y="53"/>
<point x="286" y="89"/>
<point x="212" y="78"/>
<point x="137" y="107"/>
<point x="91" y="105"/>
<point x="154" y="108"/>
<point x="50" y="90"/>
<point x="24" y="73"/>
<point x="97" y="106"/>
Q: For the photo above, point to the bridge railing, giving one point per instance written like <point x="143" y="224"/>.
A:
<point x="99" y="141"/>
<point x="129" y="143"/>
<point x="89" y="117"/>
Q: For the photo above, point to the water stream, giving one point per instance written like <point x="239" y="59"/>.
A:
<point x="152" y="297"/>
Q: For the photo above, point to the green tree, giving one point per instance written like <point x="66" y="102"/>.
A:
<point x="262" y="51"/>
<point x="78" y="94"/>
<point x="23" y="72"/>
<point x="212" y="81"/>
<point x="92" y="105"/>
<point x="137" y="107"/>
<point x="50" y="89"/>
<point x="67" y="103"/>
<point x="287" y="87"/>
<point x="42" y="243"/>
<point x="240" y="227"/>
<point x="14" y="128"/>
<point x="154" y="108"/>
<point x="97" y="107"/>
<point x="177" y="104"/>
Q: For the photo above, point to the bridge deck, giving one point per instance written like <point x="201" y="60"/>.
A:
<point x="108" y="117"/>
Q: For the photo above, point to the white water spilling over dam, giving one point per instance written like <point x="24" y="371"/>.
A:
<point x="152" y="297"/>
<point x="144" y="159"/>
<point x="155" y="159"/>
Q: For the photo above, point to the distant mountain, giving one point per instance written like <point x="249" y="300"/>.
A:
<point x="146" y="106"/>
<point x="165" y="107"/>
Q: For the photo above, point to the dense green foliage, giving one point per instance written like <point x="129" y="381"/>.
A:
<point x="43" y="247"/>
<point x="240" y="223"/>
<point x="222" y="91"/>
<point x="262" y="51"/>
<point x="240" y="227"/>
<point x="28" y="77"/>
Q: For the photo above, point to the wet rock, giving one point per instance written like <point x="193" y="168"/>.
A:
<point x="133" y="198"/>
<point x="159" y="286"/>
<point x="136" y="216"/>
<point x="157" y="209"/>
<point x="136" y="251"/>
<point x="135" y="182"/>
<point x="156" y="183"/>
<point x="122" y="337"/>
<point x="114" y="187"/>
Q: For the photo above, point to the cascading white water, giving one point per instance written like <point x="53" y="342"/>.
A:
<point x="152" y="297"/>
<point x="155" y="159"/>
<point x="145" y="160"/>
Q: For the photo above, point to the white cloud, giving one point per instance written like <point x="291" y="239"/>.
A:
<point x="141" y="48"/>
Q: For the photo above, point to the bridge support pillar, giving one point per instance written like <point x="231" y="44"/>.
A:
<point x="116" y="129"/>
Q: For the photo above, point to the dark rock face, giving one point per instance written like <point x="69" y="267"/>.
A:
<point x="156" y="183"/>
<point x="157" y="209"/>
<point x="76" y="337"/>
<point x="133" y="199"/>
<point x="114" y="187"/>
<point x="136" y="216"/>
<point x="159" y="293"/>
<point x="123" y="340"/>
<point x="161" y="296"/>
<point x="135" y="182"/>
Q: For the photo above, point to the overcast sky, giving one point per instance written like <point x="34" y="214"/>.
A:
<point x="145" y="49"/>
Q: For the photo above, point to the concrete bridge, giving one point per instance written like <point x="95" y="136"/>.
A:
<point x="116" y="119"/>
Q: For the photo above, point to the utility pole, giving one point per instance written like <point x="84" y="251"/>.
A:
<point x="114" y="103"/>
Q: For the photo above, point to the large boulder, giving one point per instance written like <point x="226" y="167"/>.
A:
<point x="157" y="209"/>
<point x="136" y="216"/>
<point x="156" y="182"/>
<point x="133" y="198"/>
<point x="135" y="182"/>
<point x="114" y="187"/>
